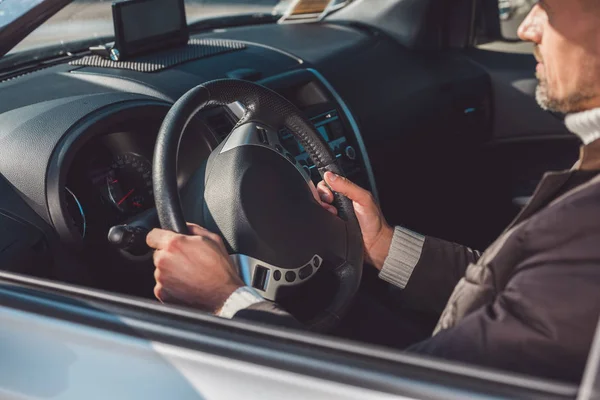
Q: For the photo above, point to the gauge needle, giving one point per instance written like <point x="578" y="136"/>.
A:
<point x="125" y="197"/>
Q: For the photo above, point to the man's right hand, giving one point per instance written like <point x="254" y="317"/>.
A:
<point x="377" y="233"/>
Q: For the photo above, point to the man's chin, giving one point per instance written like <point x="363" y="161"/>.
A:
<point x="541" y="96"/>
<point x="577" y="102"/>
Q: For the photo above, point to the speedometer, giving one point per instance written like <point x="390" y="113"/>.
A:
<point x="129" y="183"/>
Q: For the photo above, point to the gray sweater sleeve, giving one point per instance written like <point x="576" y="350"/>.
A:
<point x="405" y="252"/>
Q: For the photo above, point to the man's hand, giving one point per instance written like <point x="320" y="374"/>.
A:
<point x="377" y="233"/>
<point x="193" y="270"/>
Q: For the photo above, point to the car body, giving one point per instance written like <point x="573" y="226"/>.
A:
<point x="401" y="106"/>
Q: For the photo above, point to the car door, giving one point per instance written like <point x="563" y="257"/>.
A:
<point x="68" y="342"/>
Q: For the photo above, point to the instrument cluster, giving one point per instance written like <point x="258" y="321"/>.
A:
<point x="110" y="182"/>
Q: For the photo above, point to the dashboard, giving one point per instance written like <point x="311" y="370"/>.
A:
<point x="78" y="138"/>
<point x="109" y="179"/>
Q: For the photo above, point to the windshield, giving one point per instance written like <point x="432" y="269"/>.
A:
<point x="11" y="10"/>
<point x="88" y="19"/>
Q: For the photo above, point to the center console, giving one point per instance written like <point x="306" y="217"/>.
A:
<point x="320" y="103"/>
<point x="332" y="130"/>
<point x="313" y="95"/>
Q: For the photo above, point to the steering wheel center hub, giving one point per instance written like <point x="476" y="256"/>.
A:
<point x="261" y="203"/>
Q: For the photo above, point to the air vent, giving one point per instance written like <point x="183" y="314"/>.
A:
<point x="220" y="122"/>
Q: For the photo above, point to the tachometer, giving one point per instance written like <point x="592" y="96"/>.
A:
<point x="129" y="183"/>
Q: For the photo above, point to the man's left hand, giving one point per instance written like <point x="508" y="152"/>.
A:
<point x="194" y="269"/>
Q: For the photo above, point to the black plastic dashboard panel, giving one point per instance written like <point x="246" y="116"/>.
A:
<point x="23" y="248"/>
<point x="30" y="136"/>
<point x="312" y="43"/>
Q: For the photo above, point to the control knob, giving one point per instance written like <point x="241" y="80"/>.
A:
<point x="130" y="239"/>
<point x="350" y="153"/>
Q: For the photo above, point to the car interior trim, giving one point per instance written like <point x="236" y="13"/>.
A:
<point x="267" y="279"/>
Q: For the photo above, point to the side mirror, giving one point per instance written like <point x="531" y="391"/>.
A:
<point x="512" y="13"/>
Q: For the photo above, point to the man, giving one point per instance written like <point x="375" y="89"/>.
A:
<point x="531" y="302"/>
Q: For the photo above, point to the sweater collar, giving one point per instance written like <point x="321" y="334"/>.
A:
<point x="585" y="124"/>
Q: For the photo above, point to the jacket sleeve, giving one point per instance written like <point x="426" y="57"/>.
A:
<point x="426" y="268"/>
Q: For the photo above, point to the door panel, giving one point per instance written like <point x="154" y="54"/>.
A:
<point x="511" y="67"/>
<point x="526" y="141"/>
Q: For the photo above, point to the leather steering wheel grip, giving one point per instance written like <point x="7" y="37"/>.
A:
<point x="164" y="165"/>
<point x="266" y="107"/>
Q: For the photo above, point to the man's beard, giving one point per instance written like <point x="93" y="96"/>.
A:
<point x="571" y="104"/>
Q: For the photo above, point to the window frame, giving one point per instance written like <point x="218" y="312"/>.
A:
<point x="343" y="361"/>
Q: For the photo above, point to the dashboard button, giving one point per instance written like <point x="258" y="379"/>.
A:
<point x="316" y="261"/>
<point x="279" y="148"/>
<point x="305" y="272"/>
<point x="277" y="275"/>
<point x="350" y="153"/>
<point x="262" y="135"/>
<point x="290" y="276"/>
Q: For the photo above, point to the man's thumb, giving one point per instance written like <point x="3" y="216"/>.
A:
<point x="345" y="187"/>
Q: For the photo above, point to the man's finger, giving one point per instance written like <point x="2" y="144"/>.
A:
<point x="158" y="238"/>
<point x="330" y="208"/>
<point x="324" y="192"/>
<point x="347" y="188"/>
<point x="197" y="229"/>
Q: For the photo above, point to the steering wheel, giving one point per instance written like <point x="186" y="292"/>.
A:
<point x="257" y="197"/>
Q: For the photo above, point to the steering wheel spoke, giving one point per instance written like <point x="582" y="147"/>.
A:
<point x="267" y="279"/>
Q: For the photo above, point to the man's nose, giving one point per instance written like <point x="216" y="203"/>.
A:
<point x="532" y="27"/>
